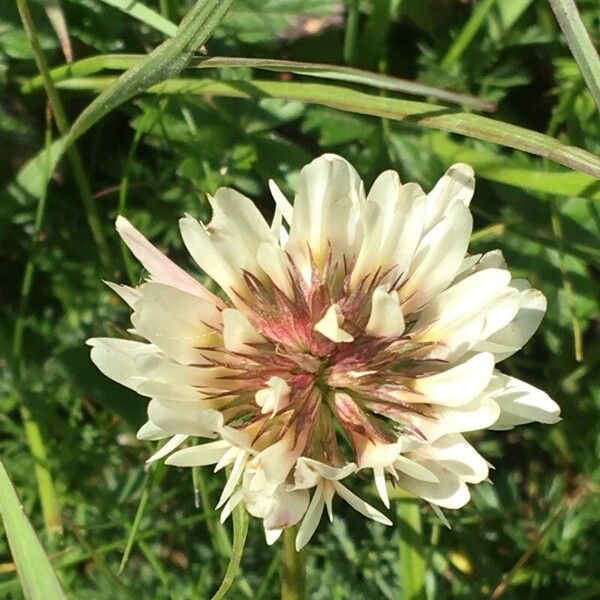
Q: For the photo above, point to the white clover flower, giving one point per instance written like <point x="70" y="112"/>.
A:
<point x="355" y="333"/>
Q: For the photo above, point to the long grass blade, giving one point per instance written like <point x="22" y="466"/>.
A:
<point x="38" y="579"/>
<point x="143" y="13"/>
<point x="580" y="44"/>
<point x="348" y="100"/>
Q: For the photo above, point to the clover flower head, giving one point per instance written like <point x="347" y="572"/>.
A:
<point x="352" y="334"/>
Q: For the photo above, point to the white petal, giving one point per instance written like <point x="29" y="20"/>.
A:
<point x="415" y="469"/>
<point x="174" y="321"/>
<point x="326" y="212"/>
<point x="521" y="403"/>
<point x="360" y="505"/>
<point x="287" y="508"/>
<point x="199" y="456"/>
<point x="272" y="535"/>
<point x="126" y="293"/>
<point x="271" y="260"/>
<point x="308" y="472"/>
<point x="151" y="432"/>
<point x="274" y="397"/>
<point x="236" y="473"/>
<point x="330" y="325"/>
<point x="386" y="319"/>
<point x="457" y="185"/>
<point x="373" y="455"/>
<point x="230" y="505"/>
<point x="281" y="201"/>
<point x="158" y="265"/>
<point x="238" y="333"/>
<point x="311" y="519"/>
<point x="381" y="485"/>
<point x="437" y="259"/>
<point x="173" y="443"/>
<point x="184" y="417"/>
<point x="457" y="385"/>
<point x="115" y="358"/>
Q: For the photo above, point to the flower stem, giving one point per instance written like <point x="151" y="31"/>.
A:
<point x="293" y="568"/>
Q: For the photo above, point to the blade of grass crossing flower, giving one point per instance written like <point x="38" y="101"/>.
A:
<point x="38" y="579"/>
<point x="119" y="62"/>
<point x="348" y="100"/>
<point x="240" y="531"/>
<point x="165" y="61"/>
<point x="467" y="33"/>
<point x="143" y="13"/>
<point x="412" y="557"/>
<point x="580" y="44"/>
<point x="62" y="123"/>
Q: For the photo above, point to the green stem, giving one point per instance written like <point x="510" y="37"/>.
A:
<point x="412" y="557"/>
<point x="293" y="568"/>
<point x="63" y="125"/>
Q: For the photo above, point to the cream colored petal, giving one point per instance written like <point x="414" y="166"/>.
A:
<point x="381" y="485"/>
<point x="115" y="358"/>
<point x="199" y="456"/>
<point x="326" y="212"/>
<point x="230" y="505"/>
<point x="281" y="201"/>
<point x="238" y="333"/>
<point x="521" y="403"/>
<point x="175" y="321"/>
<point x="308" y="472"/>
<point x="386" y="319"/>
<point x="437" y="259"/>
<point x="184" y="417"/>
<point x="271" y="260"/>
<point x="158" y="265"/>
<point x="278" y="460"/>
<point x="287" y="508"/>
<point x="360" y="505"/>
<point x="151" y="432"/>
<point x="272" y="398"/>
<point x="330" y="325"/>
<point x="234" y="477"/>
<point x="448" y="492"/>
<point x="453" y="453"/>
<point x="458" y="385"/>
<point x="311" y="519"/>
<point x="414" y="469"/>
<point x="374" y="455"/>
<point x="457" y="185"/>
<point x="126" y="293"/>
<point x="272" y="535"/>
<point x="173" y="443"/>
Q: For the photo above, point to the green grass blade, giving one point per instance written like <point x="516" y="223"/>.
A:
<point x="142" y="13"/>
<point x="165" y="61"/>
<point x="240" y="531"/>
<point x="580" y="44"/>
<point x="38" y="579"/>
<point x="119" y="62"/>
<point x="348" y="100"/>
<point x="412" y="557"/>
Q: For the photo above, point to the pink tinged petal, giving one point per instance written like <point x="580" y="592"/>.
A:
<point x="272" y="535"/>
<point x="381" y="485"/>
<point x="274" y="397"/>
<point x="151" y="432"/>
<point x="386" y="319"/>
<point x="199" y="456"/>
<point x="236" y="473"/>
<point x="238" y="333"/>
<point x="414" y="469"/>
<point x="360" y="505"/>
<point x="456" y="455"/>
<point x="230" y="505"/>
<point x="449" y="492"/>
<point x="512" y="337"/>
<point x="437" y="259"/>
<point x="158" y="265"/>
<point x="174" y="321"/>
<point x="521" y="403"/>
<point x="126" y="293"/>
<point x="330" y="326"/>
<point x="278" y="460"/>
<point x="311" y="519"/>
<point x="457" y="185"/>
<point x="458" y="385"/>
<point x="282" y="203"/>
<point x="184" y="417"/>
<point x="173" y="443"/>
<point x="115" y="358"/>
<point x="326" y="211"/>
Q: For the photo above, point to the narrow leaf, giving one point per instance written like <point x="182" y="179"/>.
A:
<point x="580" y="44"/>
<point x="142" y="13"/>
<point x="37" y="576"/>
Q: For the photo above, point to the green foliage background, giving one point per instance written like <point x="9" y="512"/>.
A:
<point x="157" y="156"/>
